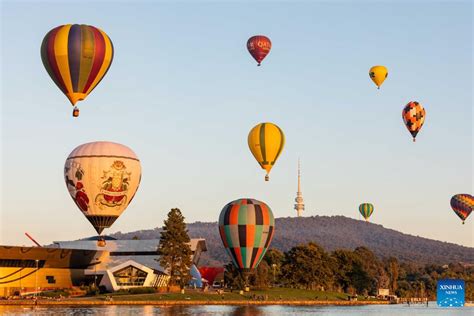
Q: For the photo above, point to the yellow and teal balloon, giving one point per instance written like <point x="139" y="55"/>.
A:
<point x="378" y="74"/>
<point x="366" y="209"/>
<point x="266" y="142"/>
<point x="76" y="57"/>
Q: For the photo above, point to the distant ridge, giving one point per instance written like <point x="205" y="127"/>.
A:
<point x="331" y="232"/>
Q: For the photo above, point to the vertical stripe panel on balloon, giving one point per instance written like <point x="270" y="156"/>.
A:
<point x="74" y="55"/>
<point x="233" y="254"/>
<point x="238" y="257"/>
<point x="99" y="55"/>
<point x="266" y="215"/>
<point x="262" y="144"/>
<point x="253" y="260"/>
<point x="107" y="61"/>
<point x="282" y="143"/>
<point x="250" y="214"/>
<point x="258" y="215"/>
<point x="61" y="53"/>
<point x="250" y="233"/>
<point x="228" y="233"/>
<point x="242" y="231"/>
<point x="260" y="254"/>
<point x="234" y="214"/>
<point x="258" y="236"/>
<point x="87" y="56"/>
<point x="226" y="214"/>
<point x="45" y="58"/>
<point x="243" y="209"/>
<point x="53" y="63"/>
<point x="269" y="237"/>
<point x="234" y="235"/>
<point x="223" y="237"/>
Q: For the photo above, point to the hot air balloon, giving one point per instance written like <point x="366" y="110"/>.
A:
<point x="102" y="179"/>
<point x="266" y="141"/>
<point x="76" y="57"/>
<point x="462" y="205"/>
<point x="246" y="227"/>
<point x="413" y="115"/>
<point x="378" y="74"/>
<point x="259" y="46"/>
<point x="366" y="209"/>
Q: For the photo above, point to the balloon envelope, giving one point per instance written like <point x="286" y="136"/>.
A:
<point x="266" y="141"/>
<point x="366" y="209"/>
<point x="259" y="46"/>
<point x="413" y="115"/>
<point x="246" y="227"/>
<point x="462" y="205"/>
<point x="102" y="179"/>
<point x="76" y="57"/>
<point x="378" y="74"/>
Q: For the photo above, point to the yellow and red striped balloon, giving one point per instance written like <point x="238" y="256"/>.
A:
<point x="76" y="57"/>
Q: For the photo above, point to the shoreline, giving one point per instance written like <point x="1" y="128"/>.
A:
<point x="186" y="302"/>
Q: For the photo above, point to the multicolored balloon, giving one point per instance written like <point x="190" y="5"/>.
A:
<point x="378" y="74"/>
<point x="366" y="209"/>
<point x="102" y="179"/>
<point x="462" y="205"/>
<point x="266" y="141"/>
<point x="76" y="57"/>
<point x="246" y="227"/>
<point x="259" y="46"/>
<point x="413" y="115"/>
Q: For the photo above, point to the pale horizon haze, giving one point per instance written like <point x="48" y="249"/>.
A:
<point x="183" y="93"/>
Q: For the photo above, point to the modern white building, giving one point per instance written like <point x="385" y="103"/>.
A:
<point x="123" y="264"/>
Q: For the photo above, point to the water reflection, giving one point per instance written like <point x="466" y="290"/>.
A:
<point x="218" y="310"/>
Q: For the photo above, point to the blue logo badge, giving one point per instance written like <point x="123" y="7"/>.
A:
<point x="450" y="293"/>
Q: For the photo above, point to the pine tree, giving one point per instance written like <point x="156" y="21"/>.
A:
<point x="174" y="249"/>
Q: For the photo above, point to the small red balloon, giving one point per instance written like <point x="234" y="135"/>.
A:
<point x="259" y="46"/>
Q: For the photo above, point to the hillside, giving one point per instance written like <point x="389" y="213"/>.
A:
<point x="331" y="232"/>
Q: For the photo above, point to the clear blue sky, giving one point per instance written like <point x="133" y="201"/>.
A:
<point x="183" y="93"/>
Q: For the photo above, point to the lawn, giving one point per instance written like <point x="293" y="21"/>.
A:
<point x="273" y="294"/>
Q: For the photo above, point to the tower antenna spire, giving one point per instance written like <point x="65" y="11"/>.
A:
<point x="299" y="206"/>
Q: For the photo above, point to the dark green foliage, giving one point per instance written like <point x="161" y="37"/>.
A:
<point x="308" y="266"/>
<point x="174" y="250"/>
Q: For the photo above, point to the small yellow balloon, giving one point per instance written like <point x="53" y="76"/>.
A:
<point x="378" y="74"/>
<point x="266" y="141"/>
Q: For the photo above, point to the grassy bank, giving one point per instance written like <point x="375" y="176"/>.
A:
<point x="281" y="296"/>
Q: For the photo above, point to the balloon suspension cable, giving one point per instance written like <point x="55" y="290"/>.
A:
<point x="267" y="177"/>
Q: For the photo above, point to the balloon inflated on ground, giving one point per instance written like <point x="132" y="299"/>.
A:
<point x="378" y="74"/>
<point x="259" y="46"/>
<point x="366" y="210"/>
<point x="413" y="115"/>
<point x="102" y="179"/>
<point x="266" y="142"/>
<point x="462" y="205"/>
<point x="246" y="227"/>
<point x="76" y="57"/>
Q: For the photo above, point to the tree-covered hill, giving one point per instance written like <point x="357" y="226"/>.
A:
<point x="331" y="232"/>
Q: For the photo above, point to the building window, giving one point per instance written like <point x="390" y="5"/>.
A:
<point x="51" y="279"/>
<point x="130" y="276"/>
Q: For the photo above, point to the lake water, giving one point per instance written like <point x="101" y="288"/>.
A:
<point x="380" y="310"/>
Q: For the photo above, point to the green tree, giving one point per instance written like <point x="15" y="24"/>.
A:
<point x="274" y="259"/>
<point x="393" y="268"/>
<point x="174" y="249"/>
<point x="308" y="266"/>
